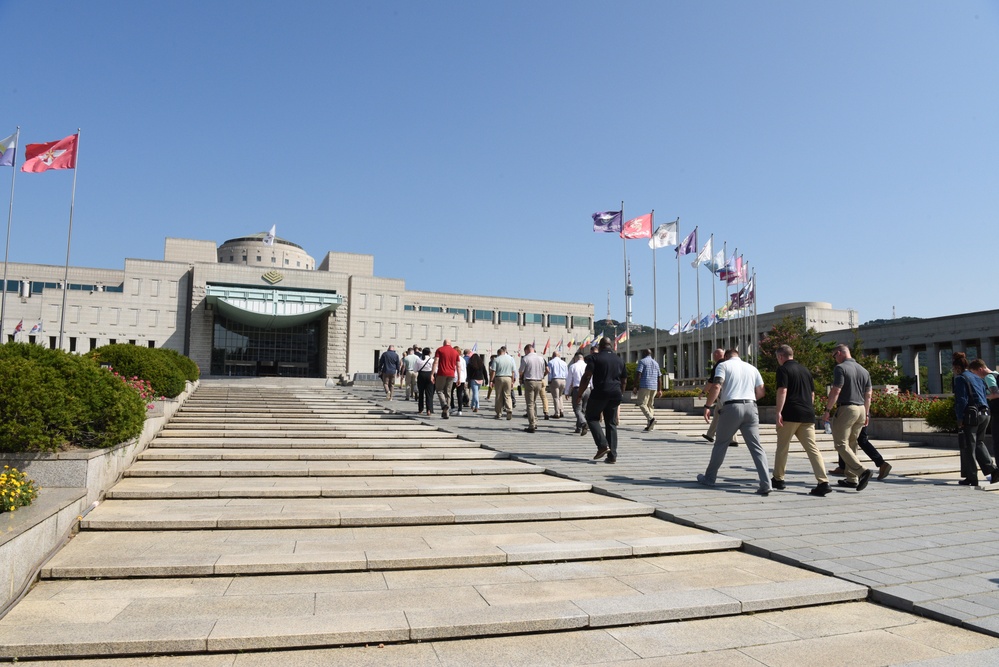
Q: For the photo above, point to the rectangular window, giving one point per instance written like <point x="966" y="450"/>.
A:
<point x="395" y="302"/>
<point x="557" y="320"/>
<point x="133" y="317"/>
<point x="152" y="343"/>
<point x="93" y="343"/>
<point x="430" y="309"/>
<point x="482" y="316"/>
<point x="52" y="341"/>
<point x="378" y="302"/>
<point x="407" y="307"/>
<point x="578" y="321"/>
<point x="136" y="286"/>
<point x="95" y="315"/>
<point x="74" y="314"/>
<point x="72" y="343"/>
<point x="508" y="316"/>
<point x="362" y="300"/>
<point x="458" y="311"/>
<point x="533" y="318"/>
<point x="362" y="328"/>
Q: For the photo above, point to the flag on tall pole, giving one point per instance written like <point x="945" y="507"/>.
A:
<point x="52" y="155"/>
<point x="60" y="154"/>
<point x="37" y="328"/>
<point x="688" y="245"/>
<point x="704" y="255"/>
<point x="665" y="235"/>
<point x="270" y="236"/>
<point x="8" y="150"/>
<point x="607" y="221"/>
<point x="17" y="329"/>
<point x="638" y="228"/>
<point x="7" y="158"/>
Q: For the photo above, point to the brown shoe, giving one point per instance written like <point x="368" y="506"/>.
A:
<point x="883" y="470"/>
<point x="837" y="472"/>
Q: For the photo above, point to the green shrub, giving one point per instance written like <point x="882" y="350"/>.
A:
<point x="132" y="361"/>
<point x="186" y="365"/>
<point x="681" y="393"/>
<point x="770" y="388"/>
<point x="631" y="373"/>
<point x="940" y="415"/>
<point x="50" y="399"/>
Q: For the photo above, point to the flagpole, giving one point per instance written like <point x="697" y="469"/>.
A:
<point x="69" y="241"/>
<point x="679" y="317"/>
<point x="627" y="290"/>
<point x="655" y="300"/>
<point x="700" y="334"/>
<point x="714" y="299"/>
<point x="6" y="252"/>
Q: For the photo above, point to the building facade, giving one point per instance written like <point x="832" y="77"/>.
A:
<point x="258" y="305"/>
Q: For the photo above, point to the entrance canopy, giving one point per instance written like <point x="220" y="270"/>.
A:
<point x="270" y="308"/>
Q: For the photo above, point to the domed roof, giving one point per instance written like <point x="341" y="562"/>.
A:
<point x="259" y="237"/>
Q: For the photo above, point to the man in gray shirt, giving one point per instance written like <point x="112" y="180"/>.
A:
<point x="851" y="392"/>
<point x="533" y="370"/>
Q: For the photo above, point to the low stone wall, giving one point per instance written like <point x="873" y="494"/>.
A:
<point x="69" y="482"/>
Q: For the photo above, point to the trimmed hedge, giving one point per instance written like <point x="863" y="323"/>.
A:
<point x="940" y="415"/>
<point x="50" y="399"/>
<point x="163" y="368"/>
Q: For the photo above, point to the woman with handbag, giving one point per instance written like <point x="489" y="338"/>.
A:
<point x="972" y="411"/>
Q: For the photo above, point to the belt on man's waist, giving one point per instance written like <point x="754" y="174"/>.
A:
<point x="739" y="400"/>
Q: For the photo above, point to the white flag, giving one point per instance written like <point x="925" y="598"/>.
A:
<point x="665" y="235"/>
<point x="704" y="255"/>
<point x="271" y="235"/>
<point x="718" y="263"/>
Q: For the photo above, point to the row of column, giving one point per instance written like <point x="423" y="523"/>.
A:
<point x="907" y="358"/>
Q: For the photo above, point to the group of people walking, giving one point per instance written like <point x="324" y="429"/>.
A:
<point x="594" y="385"/>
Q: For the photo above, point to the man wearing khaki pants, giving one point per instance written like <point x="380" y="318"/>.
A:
<point x="796" y="417"/>
<point x="851" y="392"/>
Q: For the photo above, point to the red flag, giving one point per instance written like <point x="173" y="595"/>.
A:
<point x="20" y="325"/>
<point x="638" y="228"/>
<point x="545" y="351"/>
<point x="53" y="155"/>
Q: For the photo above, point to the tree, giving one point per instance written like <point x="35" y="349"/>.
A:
<point x="809" y="350"/>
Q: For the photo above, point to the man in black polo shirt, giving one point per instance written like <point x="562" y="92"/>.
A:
<point x="796" y="417"/>
<point x="607" y="372"/>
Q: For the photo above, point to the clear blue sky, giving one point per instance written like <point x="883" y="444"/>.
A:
<point x="850" y="149"/>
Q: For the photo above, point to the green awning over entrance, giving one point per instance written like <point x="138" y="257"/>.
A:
<point x="270" y="308"/>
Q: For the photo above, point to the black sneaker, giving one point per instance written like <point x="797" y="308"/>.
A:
<point x="822" y="489"/>
<point x="707" y="437"/>
<point x="777" y="483"/>
<point x="865" y="477"/>
<point x="849" y="485"/>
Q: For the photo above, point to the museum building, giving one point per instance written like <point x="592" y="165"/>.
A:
<point x="260" y="305"/>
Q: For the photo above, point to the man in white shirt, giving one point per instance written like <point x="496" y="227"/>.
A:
<point x="737" y="386"/>
<point x="577" y="396"/>
<point x="557" y="373"/>
<point x="409" y="362"/>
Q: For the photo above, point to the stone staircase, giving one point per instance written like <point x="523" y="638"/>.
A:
<point x="274" y="518"/>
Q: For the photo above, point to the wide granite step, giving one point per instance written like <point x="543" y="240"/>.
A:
<point x="340" y="441"/>
<point x="245" y="613"/>
<point x="327" y="468"/>
<point x="211" y="513"/>
<point x="136" y="488"/>
<point x="228" y="552"/>
<point x="301" y="454"/>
